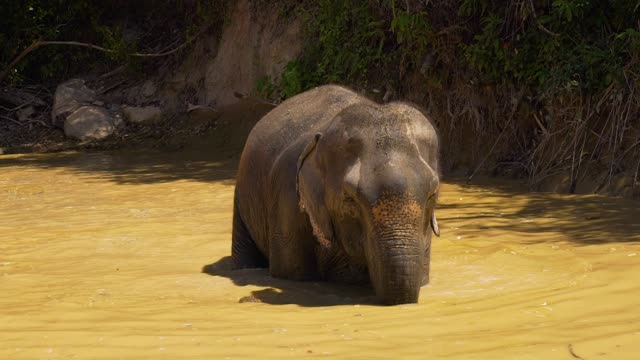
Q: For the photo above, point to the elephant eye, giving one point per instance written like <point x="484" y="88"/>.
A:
<point x="347" y="199"/>
<point x="349" y="205"/>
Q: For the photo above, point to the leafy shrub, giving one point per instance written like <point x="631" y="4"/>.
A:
<point x="119" y="25"/>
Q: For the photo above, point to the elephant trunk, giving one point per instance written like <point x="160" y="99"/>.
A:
<point x="396" y="264"/>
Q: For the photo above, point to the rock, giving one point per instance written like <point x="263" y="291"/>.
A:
<point x="149" y="88"/>
<point x="117" y="119"/>
<point x="69" y="97"/>
<point x="201" y="113"/>
<point x="89" y="123"/>
<point x="142" y="114"/>
<point x="25" y="113"/>
<point x="622" y="186"/>
<point x="178" y="81"/>
<point x="427" y="63"/>
<point x="18" y="97"/>
<point x="558" y="183"/>
<point x="80" y="113"/>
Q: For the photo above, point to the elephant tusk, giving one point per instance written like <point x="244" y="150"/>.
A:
<point x="434" y="224"/>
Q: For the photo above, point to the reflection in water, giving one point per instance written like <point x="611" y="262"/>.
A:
<point x="101" y="257"/>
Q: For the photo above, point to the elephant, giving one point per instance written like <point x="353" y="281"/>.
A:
<point x="334" y="186"/>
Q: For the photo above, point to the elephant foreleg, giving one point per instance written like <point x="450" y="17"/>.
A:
<point x="244" y="252"/>
<point x="291" y="246"/>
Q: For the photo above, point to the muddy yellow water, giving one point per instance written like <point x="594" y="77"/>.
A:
<point x="101" y="257"/>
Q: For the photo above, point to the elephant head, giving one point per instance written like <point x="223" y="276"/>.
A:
<point x="369" y="184"/>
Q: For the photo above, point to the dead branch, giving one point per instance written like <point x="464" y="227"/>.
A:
<point x="40" y="43"/>
<point x="15" y="108"/>
<point x="12" y="120"/>
<point x="111" y="87"/>
<point x="19" y="97"/>
<point x="540" y="26"/>
<point x="118" y="70"/>
<point x="544" y="129"/>
<point x="627" y="151"/>
<point x="33" y="121"/>
<point x="635" y="177"/>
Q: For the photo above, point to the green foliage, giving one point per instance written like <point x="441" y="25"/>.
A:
<point x="580" y="51"/>
<point x="113" y="39"/>
<point x="119" y="25"/>
<point x="577" y="43"/>
<point x="348" y="40"/>
<point x="351" y="40"/>
<point x="413" y="33"/>
<point x="24" y="22"/>
<point x="487" y="52"/>
<point x="472" y="7"/>
<point x="265" y="87"/>
<point x="291" y="83"/>
<point x="292" y="79"/>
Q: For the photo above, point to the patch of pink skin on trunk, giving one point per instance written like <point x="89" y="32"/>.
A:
<point x="394" y="209"/>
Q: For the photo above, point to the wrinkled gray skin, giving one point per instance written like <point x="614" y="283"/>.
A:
<point x="333" y="186"/>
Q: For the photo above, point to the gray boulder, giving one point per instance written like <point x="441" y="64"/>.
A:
<point x="25" y="114"/>
<point x="89" y="123"/>
<point x="68" y="98"/>
<point x="149" y="88"/>
<point x="142" y="114"/>
<point x="202" y="113"/>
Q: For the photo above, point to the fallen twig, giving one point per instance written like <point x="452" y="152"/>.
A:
<point x="119" y="69"/>
<point x="111" y="87"/>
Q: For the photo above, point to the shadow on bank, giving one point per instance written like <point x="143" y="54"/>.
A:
<point x="212" y="156"/>
<point x="508" y="206"/>
<point x="285" y="292"/>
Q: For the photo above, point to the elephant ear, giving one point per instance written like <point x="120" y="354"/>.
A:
<point x="310" y="190"/>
